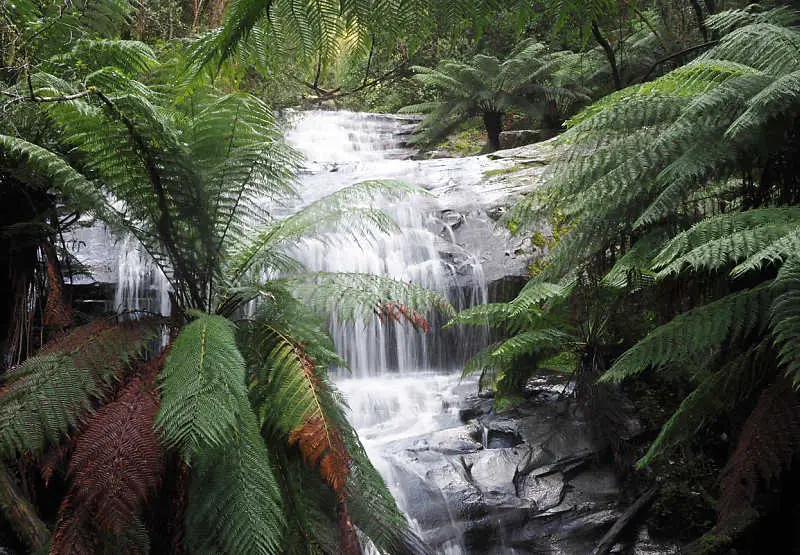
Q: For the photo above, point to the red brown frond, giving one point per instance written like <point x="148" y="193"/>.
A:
<point x="395" y="312"/>
<point x="73" y="536"/>
<point x="320" y="441"/>
<point x="117" y="462"/>
<point x="321" y="444"/>
<point x="769" y="440"/>
<point x="103" y="347"/>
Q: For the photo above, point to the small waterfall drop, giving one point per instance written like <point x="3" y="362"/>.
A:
<point x="402" y="383"/>
<point x="342" y="148"/>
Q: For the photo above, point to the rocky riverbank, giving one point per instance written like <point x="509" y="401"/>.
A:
<point x="527" y="481"/>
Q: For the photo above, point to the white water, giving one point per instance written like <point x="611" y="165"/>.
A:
<point x="403" y="383"/>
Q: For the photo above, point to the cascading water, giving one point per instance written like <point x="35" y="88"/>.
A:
<point x="402" y="383"/>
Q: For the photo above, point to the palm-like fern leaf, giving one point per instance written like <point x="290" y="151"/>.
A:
<point x="44" y="397"/>
<point x="785" y="319"/>
<point x="202" y="387"/>
<point x="117" y="461"/>
<point x="353" y="296"/>
<point x="713" y="397"/>
<point x="693" y="337"/>
<point x="234" y="499"/>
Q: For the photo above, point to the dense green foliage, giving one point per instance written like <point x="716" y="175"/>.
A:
<point x="680" y="196"/>
<point x="677" y="191"/>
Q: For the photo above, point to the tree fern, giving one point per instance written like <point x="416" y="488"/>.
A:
<point x="693" y="337"/>
<point x="235" y="502"/>
<point x="202" y="387"/>
<point x="44" y="397"/>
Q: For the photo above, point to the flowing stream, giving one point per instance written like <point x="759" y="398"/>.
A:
<point x="401" y="383"/>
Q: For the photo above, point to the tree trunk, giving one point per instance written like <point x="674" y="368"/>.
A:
<point x="493" y="121"/>
<point x="21" y="514"/>
<point x="612" y="58"/>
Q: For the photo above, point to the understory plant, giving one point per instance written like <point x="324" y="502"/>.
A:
<point x="213" y="428"/>
<point x="488" y="88"/>
<point x="682" y="194"/>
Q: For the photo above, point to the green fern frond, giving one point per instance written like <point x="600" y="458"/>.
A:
<point x="289" y="394"/>
<point x="354" y="296"/>
<point x="342" y="211"/>
<point x="632" y="270"/>
<point x="490" y="314"/>
<point x="775" y="252"/>
<point x="40" y="167"/>
<point x="532" y="295"/>
<point x="129" y="56"/>
<point x="202" y="387"/>
<point x="725" y="240"/>
<point x="785" y="319"/>
<point x="691" y="339"/>
<point x="36" y="408"/>
<point x="714" y="396"/>
<point x="235" y="503"/>
<point x="44" y="397"/>
<point x="527" y="342"/>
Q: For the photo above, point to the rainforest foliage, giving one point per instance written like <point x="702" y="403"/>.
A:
<point x="215" y="428"/>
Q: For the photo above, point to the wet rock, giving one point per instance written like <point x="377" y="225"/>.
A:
<point x="452" y="441"/>
<point x="494" y="471"/>
<point x="544" y="492"/>
<point x="513" y="139"/>
<point x="432" y="155"/>
<point x="473" y="407"/>
<point x="644" y="545"/>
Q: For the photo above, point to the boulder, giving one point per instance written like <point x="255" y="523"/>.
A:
<point x="513" y="139"/>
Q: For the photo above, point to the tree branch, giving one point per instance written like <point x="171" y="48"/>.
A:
<point x="612" y="59"/>
<point x="674" y="55"/>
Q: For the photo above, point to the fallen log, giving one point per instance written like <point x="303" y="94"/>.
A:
<point x="608" y="541"/>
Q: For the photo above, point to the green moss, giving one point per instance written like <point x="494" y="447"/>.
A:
<point x="562" y="362"/>
<point x="504" y="171"/>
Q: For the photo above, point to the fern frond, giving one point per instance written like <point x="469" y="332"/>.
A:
<point x="235" y="503"/>
<point x="785" y="319"/>
<point x="725" y="240"/>
<point x="202" y="387"/>
<point x="717" y="394"/>
<point x="527" y="342"/>
<point x="353" y="296"/>
<point x="691" y="338"/>
<point x="129" y="56"/>
<point x="117" y="461"/>
<point x="342" y="211"/>
<point x="773" y="253"/>
<point x="43" y="398"/>
<point x="533" y="294"/>
<point x="44" y="168"/>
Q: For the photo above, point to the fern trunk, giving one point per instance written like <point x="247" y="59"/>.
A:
<point x="21" y="514"/>
<point x="493" y="121"/>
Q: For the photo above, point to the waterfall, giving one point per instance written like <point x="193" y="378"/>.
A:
<point x="342" y="148"/>
<point x="402" y="383"/>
